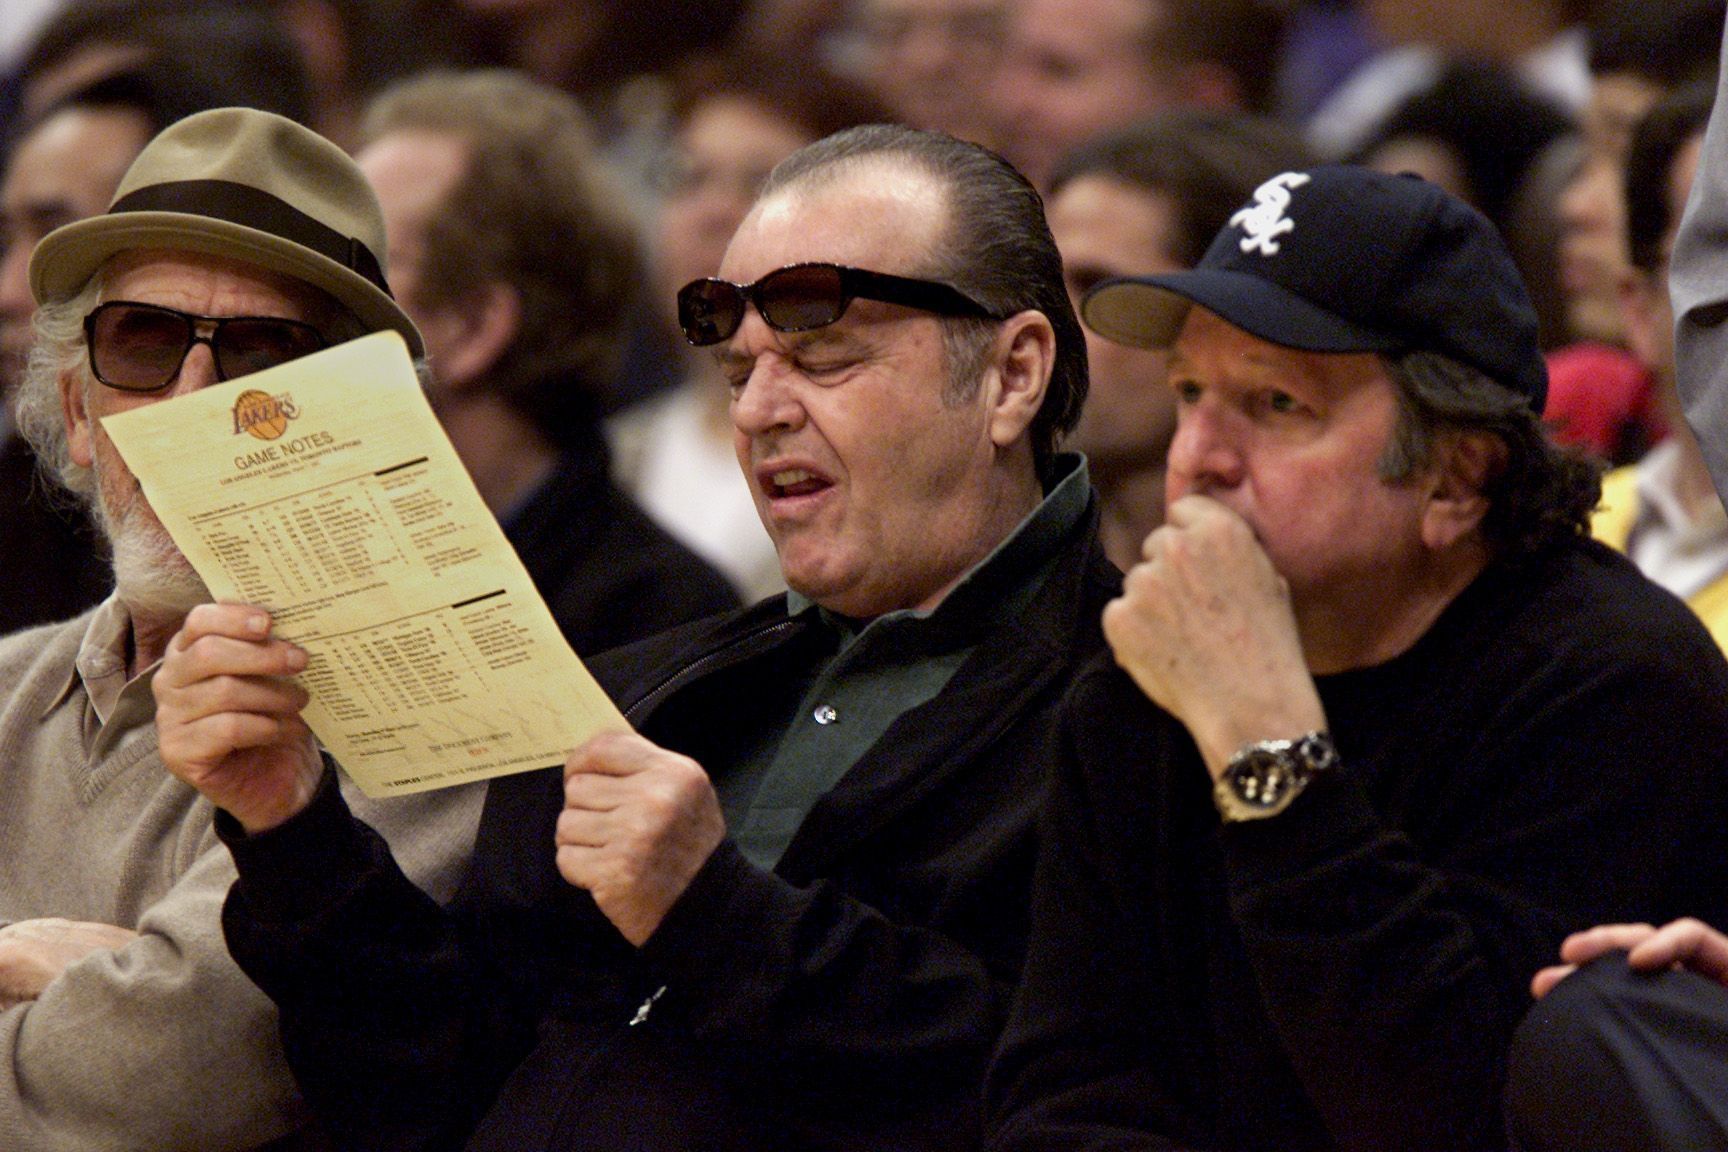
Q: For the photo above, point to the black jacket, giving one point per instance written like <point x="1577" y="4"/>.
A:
<point x="609" y="574"/>
<point x="1348" y="974"/>
<point x="847" y="1000"/>
<point x="53" y="563"/>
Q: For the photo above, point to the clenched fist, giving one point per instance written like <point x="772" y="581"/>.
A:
<point x="638" y="824"/>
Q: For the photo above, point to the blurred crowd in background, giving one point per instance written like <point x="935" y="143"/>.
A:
<point x="1144" y="122"/>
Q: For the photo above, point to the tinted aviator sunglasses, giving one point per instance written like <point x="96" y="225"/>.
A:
<point x="140" y="347"/>
<point x="800" y="297"/>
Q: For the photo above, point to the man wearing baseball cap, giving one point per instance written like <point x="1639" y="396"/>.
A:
<point x="1382" y="725"/>
<point x="237" y="240"/>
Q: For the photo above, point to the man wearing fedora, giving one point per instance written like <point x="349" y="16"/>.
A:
<point x="237" y="240"/>
<point x="1381" y="725"/>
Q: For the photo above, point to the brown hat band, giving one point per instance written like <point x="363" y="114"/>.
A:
<point x="252" y="208"/>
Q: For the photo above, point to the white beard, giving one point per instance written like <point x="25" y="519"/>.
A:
<point x="151" y="576"/>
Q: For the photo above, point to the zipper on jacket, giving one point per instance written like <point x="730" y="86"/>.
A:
<point x="688" y="672"/>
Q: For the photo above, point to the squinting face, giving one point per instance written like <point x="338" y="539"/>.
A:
<point x="151" y="573"/>
<point x="1106" y="228"/>
<point x="1069" y="71"/>
<point x="66" y="169"/>
<point x="878" y="494"/>
<point x="1290" y="441"/>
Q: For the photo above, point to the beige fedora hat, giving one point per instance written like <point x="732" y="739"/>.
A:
<point x="248" y="185"/>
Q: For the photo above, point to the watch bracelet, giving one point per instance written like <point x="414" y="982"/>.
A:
<point x="1296" y="762"/>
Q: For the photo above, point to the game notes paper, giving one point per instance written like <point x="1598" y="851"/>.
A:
<point x="325" y="491"/>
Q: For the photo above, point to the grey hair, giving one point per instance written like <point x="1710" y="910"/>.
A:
<point x="58" y="350"/>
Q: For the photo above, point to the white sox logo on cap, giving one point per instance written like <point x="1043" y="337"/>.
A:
<point x="1264" y="221"/>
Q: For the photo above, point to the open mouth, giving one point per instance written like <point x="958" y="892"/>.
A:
<point x="788" y="482"/>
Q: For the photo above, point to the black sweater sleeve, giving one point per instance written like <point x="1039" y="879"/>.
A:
<point x="397" y="1038"/>
<point x="1349" y="973"/>
<point x="1394" y="951"/>
<point x="807" y="985"/>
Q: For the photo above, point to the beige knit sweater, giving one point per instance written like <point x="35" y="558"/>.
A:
<point x="163" y="1044"/>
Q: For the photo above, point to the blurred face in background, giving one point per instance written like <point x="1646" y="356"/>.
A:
<point x="1105" y="227"/>
<point x="1593" y="257"/>
<point x="1070" y="69"/>
<point x="724" y="151"/>
<point x="413" y="172"/>
<point x="931" y="61"/>
<point x="64" y="169"/>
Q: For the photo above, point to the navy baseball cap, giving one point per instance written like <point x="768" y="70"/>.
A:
<point x="1341" y="258"/>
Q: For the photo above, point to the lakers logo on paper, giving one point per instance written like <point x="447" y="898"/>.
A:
<point x="262" y="415"/>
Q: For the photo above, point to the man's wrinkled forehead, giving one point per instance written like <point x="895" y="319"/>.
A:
<point x="878" y="213"/>
<point x="195" y="281"/>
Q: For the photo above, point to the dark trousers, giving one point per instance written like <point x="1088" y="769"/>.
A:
<point x="1622" y="1060"/>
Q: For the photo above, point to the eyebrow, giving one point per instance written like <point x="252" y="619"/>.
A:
<point x="44" y="215"/>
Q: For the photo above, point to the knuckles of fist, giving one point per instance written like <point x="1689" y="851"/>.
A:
<point x="638" y="824"/>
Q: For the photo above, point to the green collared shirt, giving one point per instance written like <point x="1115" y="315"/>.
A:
<point x="885" y="667"/>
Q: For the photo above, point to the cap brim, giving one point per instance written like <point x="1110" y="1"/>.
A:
<point x="1147" y="312"/>
<point x="66" y="258"/>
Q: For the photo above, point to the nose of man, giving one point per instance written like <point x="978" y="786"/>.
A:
<point x="1204" y="455"/>
<point x="767" y="400"/>
<point x="197" y="371"/>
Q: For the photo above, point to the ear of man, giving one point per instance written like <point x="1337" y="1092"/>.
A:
<point x="1465" y="464"/>
<point x="77" y="417"/>
<point x="1018" y="375"/>
<point x="471" y="334"/>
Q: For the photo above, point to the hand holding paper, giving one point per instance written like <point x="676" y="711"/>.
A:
<point x="229" y="718"/>
<point x="325" y="492"/>
<point x="639" y="821"/>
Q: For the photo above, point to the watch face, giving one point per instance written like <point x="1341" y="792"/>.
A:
<point x="1263" y="779"/>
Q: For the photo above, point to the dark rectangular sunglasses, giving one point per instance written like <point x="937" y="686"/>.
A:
<point x="800" y="297"/>
<point x="140" y="347"/>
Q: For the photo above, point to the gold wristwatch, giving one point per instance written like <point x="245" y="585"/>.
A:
<point x="1263" y="778"/>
